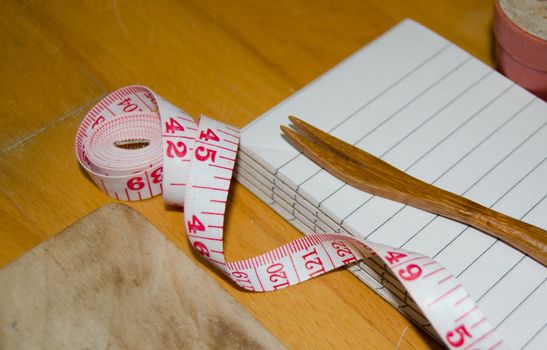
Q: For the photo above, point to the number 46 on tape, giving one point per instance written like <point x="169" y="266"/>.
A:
<point x="192" y="164"/>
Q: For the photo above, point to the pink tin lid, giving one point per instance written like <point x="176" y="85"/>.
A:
<point x="520" y="27"/>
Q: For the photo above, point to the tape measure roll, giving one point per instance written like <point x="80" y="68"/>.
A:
<point x="135" y="144"/>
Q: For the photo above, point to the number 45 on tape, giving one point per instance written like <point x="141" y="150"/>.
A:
<point x="192" y="164"/>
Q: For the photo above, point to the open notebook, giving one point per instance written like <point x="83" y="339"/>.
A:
<point x="427" y="107"/>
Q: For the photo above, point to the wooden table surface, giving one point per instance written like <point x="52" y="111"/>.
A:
<point x="232" y="60"/>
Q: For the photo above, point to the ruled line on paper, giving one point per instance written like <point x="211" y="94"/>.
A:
<point x="535" y="336"/>
<point x="504" y="194"/>
<point x="393" y="286"/>
<point x="486" y="141"/>
<point x="343" y="74"/>
<point x="387" y="110"/>
<point x="465" y="122"/>
<point x="322" y="172"/>
<point x="397" y="142"/>
<point x="479" y="178"/>
<point x="435" y="83"/>
<point x="309" y="229"/>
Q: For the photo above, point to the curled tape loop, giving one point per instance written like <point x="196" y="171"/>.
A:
<point x="134" y="145"/>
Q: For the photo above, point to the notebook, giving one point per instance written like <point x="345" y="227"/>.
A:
<point x="429" y="108"/>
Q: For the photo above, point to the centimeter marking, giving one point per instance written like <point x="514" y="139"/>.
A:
<point x="197" y="162"/>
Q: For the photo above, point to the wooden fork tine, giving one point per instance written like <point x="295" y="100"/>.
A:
<point x="349" y="163"/>
<point x="336" y="145"/>
<point x="326" y="157"/>
<point x="350" y="152"/>
<point x="329" y="157"/>
<point x="325" y="139"/>
<point x="368" y="173"/>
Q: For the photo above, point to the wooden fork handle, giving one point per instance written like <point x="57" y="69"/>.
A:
<point x="386" y="181"/>
<point x="527" y="238"/>
<point x="366" y="172"/>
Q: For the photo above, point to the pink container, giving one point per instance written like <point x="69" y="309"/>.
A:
<point x="521" y="55"/>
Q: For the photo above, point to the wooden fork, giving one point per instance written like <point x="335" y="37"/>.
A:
<point x="371" y="174"/>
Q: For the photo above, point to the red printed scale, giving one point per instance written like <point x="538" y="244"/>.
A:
<point x="192" y="164"/>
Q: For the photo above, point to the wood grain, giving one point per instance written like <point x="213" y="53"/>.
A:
<point x="25" y="48"/>
<point x="112" y="280"/>
<point x="232" y="60"/>
<point x="368" y="173"/>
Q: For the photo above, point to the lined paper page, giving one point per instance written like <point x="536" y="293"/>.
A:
<point x="429" y="108"/>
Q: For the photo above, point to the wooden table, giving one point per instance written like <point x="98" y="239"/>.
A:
<point x="232" y="60"/>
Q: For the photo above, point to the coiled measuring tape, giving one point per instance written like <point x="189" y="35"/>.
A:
<point x="192" y="164"/>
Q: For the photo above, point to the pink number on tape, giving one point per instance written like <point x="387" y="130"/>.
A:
<point x="192" y="164"/>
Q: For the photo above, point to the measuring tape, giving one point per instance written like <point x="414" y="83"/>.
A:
<point x="134" y="144"/>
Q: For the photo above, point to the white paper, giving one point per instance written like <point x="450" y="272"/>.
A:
<point x="430" y="109"/>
